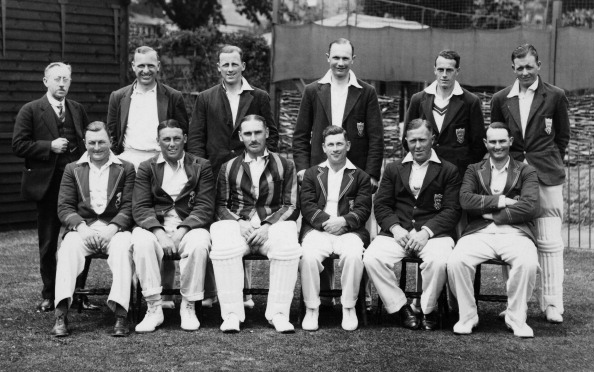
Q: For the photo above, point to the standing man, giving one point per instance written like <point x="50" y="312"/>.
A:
<point x="95" y="206"/>
<point x="537" y="115"/>
<point x="454" y="114"/>
<point x="173" y="205"/>
<point x="417" y="208"/>
<point x="500" y="195"/>
<point x="256" y="208"/>
<point x="48" y="133"/>
<point x="336" y="203"/>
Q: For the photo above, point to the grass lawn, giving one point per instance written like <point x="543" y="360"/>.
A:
<point x="25" y="342"/>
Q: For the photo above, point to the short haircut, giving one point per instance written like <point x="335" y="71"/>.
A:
<point x="341" y="41"/>
<point x="252" y="117"/>
<point x="449" y="54"/>
<point x="523" y="51"/>
<point x="332" y="130"/>
<point x="231" y="49"/>
<point x="172" y="123"/>
<point x="146" y="50"/>
<point x="498" y="125"/>
<point x="97" y="126"/>
<point x="56" y="64"/>
<point x="417" y="123"/>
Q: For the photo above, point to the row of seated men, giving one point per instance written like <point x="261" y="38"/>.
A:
<point x="180" y="212"/>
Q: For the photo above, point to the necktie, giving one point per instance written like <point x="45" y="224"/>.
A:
<point x="61" y="113"/>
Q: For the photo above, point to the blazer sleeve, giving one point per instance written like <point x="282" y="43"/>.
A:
<point x="68" y="199"/>
<point x="24" y="142"/>
<point x="411" y="114"/>
<point x="375" y="133"/>
<point x="288" y="209"/>
<point x="112" y="118"/>
<point x="197" y="130"/>
<point x="447" y="218"/>
<point x="561" y="123"/>
<point x="477" y="130"/>
<point x="143" y="209"/>
<point x="124" y="217"/>
<point x="223" y="195"/>
<point x="362" y="209"/>
<point x="471" y="199"/>
<point x="266" y="110"/>
<point x="527" y="207"/>
<point x="302" y="134"/>
<point x="309" y="201"/>
<point x="203" y="210"/>
<point x="385" y="200"/>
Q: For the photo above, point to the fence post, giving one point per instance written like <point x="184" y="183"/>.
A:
<point x="557" y="5"/>
<point x="274" y="94"/>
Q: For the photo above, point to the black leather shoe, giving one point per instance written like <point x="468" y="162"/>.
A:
<point x="61" y="327"/>
<point x="408" y="318"/>
<point x="121" y="328"/>
<point x="429" y="321"/>
<point x="46" y="305"/>
<point x="86" y="304"/>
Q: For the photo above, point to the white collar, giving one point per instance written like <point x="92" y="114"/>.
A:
<point x="348" y="165"/>
<point x="515" y="90"/>
<point x="135" y="89"/>
<point x="244" y="85"/>
<point x="434" y="158"/>
<point x="180" y="162"/>
<point x="505" y="167"/>
<point x="432" y="89"/>
<point x="327" y="79"/>
<point x="85" y="158"/>
<point x="55" y="102"/>
<point x="248" y="159"/>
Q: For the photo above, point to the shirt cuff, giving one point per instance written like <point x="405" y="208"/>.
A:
<point x="75" y="228"/>
<point x="428" y="230"/>
<point x="501" y="203"/>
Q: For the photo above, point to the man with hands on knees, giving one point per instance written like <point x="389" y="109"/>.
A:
<point x="173" y="205"/>
<point x="95" y="206"/>
<point x="417" y="208"/>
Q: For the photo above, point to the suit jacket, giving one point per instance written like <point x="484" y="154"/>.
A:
<point x="74" y="200"/>
<point x="461" y="138"/>
<point x="170" y="104"/>
<point x="477" y="199"/>
<point x="194" y="205"/>
<point x="213" y="134"/>
<point x="362" y="120"/>
<point x="354" y="202"/>
<point x="436" y="206"/>
<point x="547" y="131"/>
<point x="34" y="130"/>
<point x="277" y="198"/>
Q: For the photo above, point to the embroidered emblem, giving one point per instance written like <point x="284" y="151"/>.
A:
<point x="548" y="125"/>
<point x="360" y="128"/>
<point x="191" y="201"/>
<point x="517" y="197"/>
<point x="118" y="200"/>
<point x="460" y="135"/>
<point x="437" y="201"/>
<point x="351" y="205"/>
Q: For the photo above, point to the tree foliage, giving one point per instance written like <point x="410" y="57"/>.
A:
<point x="253" y="9"/>
<point x="191" y="14"/>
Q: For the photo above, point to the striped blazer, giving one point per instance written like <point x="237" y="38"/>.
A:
<point x="277" y="200"/>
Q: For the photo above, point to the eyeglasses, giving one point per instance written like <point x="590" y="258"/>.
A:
<point x="64" y="79"/>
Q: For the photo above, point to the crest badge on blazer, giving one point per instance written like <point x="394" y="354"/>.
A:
<point x="460" y="132"/>
<point x="437" y="198"/>
<point x="360" y="128"/>
<point x="548" y="125"/>
<point x="351" y="205"/>
<point x="118" y="200"/>
<point x="191" y="201"/>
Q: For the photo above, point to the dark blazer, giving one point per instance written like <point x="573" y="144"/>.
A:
<point x="74" y="200"/>
<point x="194" y="205"/>
<point x="34" y="130"/>
<point x="214" y="136"/>
<point x="170" y="104"/>
<point x="476" y="197"/>
<point x="362" y="120"/>
<point x="354" y="202"/>
<point x="436" y="207"/>
<point x="461" y="138"/>
<point x="547" y="132"/>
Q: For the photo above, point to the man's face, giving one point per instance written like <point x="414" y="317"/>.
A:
<point x="231" y="67"/>
<point x="336" y="147"/>
<point x="498" y="143"/>
<point x="146" y="67"/>
<point x="253" y="134"/>
<point x="445" y="72"/>
<point x="57" y="82"/>
<point x="172" y="141"/>
<point x="98" y="144"/>
<point x="340" y="59"/>
<point x="419" y="142"/>
<point x="526" y="70"/>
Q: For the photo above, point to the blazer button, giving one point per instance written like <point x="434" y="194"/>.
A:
<point x="233" y="151"/>
<point x="413" y="221"/>
<point x="437" y="145"/>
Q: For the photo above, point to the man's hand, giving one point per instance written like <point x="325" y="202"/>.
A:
<point x="259" y="236"/>
<point x="488" y="216"/>
<point x="59" y="145"/>
<point x="401" y="236"/>
<point x="334" y="225"/>
<point x="89" y="237"/>
<point x="417" y="240"/>
<point x="509" y="202"/>
<point x="374" y="185"/>
<point x="300" y="176"/>
<point x="246" y="229"/>
<point x="177" y="237"/>
<point x="166" y="243"/>
<point x="105" y="236"/>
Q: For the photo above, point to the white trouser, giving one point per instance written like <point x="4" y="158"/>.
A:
<point x="71" y="262"/>
<point x="515" y="249"/>
<point x="383" y="253"/>
<point x="228" y="248"/>
<point x="148" y="258"/>
<point x="319" y="245"/>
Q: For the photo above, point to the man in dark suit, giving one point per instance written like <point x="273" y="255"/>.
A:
<point x="417" y="208"/>
<point x="95" y="206"/>
<point x="454" y="114"/>
<point x="538" y="120"/>
<point x="48" y="133"/>
<point x="500" y="195"/>
<point x="335" y="203"/>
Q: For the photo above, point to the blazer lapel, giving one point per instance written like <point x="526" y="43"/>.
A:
<point x="513" y="105"/>
<point x="323" y="181"/>
<point x="404" y="171"/>
<point x="347" y="181"/>
<point x="81" y="173"/>
<point x="513" y="174"/>
<point x="432" y="172"/>
<point x="485" y="176"/>
<point x="454" y="106"/>
<point x="76" y="117"/>
<point x="352" y="98"/>
<point x="245" y="100"/>
<point x="536" y="103"/>
<point x="225" y="100"/>
<point x="158" y="171"/>
<point x="162" y="102"/>
<point x="115" y="173"/>
<point x="125" y="108"/>
<point x="49" y="117"/>
<point x="324" y="96"/>
<point x="427" y="106"/>
<point x="192" y="172"/>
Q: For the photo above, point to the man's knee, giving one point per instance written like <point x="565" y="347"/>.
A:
<point x="283" y="241"/>
<point x="196" y="243"/>
<point x="143" y="242"/>
<point x="227" y="241"/>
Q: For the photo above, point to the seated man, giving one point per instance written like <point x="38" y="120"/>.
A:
<point x="95" y="206"/>
<point x="173" y="205"/>
<point x="256" y="208"/>
<point x="500" y="196"/>
<point x="417" y="208"/>
<point x="336" y="203"/>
